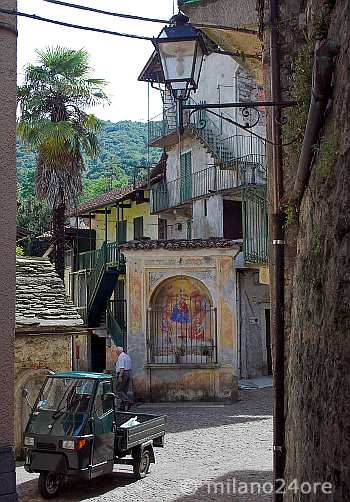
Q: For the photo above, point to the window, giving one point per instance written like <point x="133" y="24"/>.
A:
<point x="162" y="229"/>
<point x="138" y="228"/>
<point x="103" y="406"/>
<point x="121" y="231"/>
<point x="205" y="207"/>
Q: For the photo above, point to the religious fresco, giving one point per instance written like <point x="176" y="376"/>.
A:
<point x="181" y="318"/>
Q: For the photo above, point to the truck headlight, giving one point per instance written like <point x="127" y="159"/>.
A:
<point x="29" y="441"/>
<point x="68" y="445"/>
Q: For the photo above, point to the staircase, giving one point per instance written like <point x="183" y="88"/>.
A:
<point x="116" y="328"/>
<point x="244" y="154"/>
<point x="101" y="283"/>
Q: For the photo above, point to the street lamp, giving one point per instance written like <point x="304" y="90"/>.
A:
<point x="181" y="50"/>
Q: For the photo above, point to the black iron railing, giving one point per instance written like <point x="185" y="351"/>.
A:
<point x="255" y="225"/>
<point x="184" y="333"/>
<point x="248" y="170"/>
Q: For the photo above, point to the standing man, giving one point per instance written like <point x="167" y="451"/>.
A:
<point x="123" y="368"/>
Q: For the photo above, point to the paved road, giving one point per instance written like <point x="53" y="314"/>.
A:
<point x="213" y="452"/>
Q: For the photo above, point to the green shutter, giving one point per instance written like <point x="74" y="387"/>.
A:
<point x="185" y="176"/>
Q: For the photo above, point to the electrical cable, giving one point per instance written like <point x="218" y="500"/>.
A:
<point x="105" y="12"/>
<point x="70" y="25"/>
<point x="152" y="20"/>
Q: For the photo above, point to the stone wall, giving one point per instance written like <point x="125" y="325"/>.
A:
<point x="35" y="355"/>
<point x="317" y="263"/>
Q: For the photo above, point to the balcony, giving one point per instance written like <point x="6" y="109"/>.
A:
<point x="248" y="170"/>
<point x="162" y="129"/>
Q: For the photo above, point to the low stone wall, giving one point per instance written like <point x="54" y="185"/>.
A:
<point x="35" y="355"/>
<point x="186" y="384"/>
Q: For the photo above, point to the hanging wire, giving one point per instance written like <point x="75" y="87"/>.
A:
<point x="105" y="12"/>
<point x="115" y="14"/>
<point x="70" y="25"/>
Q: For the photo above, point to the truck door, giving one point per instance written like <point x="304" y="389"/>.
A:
<point x="103" y="415"/>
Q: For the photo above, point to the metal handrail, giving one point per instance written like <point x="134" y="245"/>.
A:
<point x="108" y="255"/>
<point x="115" y="331"/>
<point x="97" y="272"/>
<point x="162" y="124"/>
<point x="87" y="259"/>
<point x="244" y="171"/>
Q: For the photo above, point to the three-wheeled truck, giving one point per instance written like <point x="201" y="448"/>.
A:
<point x="75" y="430"/>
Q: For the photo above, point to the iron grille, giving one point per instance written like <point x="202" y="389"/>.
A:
<point x="46" y="446"/>
<point x="182" y="332"/>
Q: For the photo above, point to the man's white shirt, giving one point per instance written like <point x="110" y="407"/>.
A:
<point x="123" y="362"/>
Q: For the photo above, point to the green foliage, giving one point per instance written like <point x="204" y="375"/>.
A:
<point x="326" y="156"/>
<point x="122" y="143"/>
<point x="289" y="213"/>
<point x="300" y="91"/>
<point x="122" y="146"/>
<point x="19" y="251"/>
<point x="54" y="124"/>
<point x="32" y="214"/>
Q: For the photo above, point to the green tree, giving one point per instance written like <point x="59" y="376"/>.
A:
<point x="52" y="100"/>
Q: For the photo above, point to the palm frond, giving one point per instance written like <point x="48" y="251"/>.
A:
<point x="53" y="121"/>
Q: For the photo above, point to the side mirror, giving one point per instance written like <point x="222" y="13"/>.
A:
<point x="25" y="397"/>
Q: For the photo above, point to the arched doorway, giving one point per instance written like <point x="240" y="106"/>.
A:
<point x="182" y="323"/>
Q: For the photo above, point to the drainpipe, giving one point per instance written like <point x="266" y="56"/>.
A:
<point x="277" y="265"/>
<point x="325" y="51"/>
<point x="239" y="330"/>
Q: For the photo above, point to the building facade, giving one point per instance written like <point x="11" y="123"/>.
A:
<point x="95" y="266"/>
<point x="198" y="311"/>
<point x="175" y="272"/>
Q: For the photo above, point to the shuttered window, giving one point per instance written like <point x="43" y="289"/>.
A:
<point x="121" y="231"/>
<point x="138" y="228"/>
<point x="162" y="229"/>
<point x="185" y="176"/>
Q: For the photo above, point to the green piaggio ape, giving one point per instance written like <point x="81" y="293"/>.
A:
<point x="74" y="429"/>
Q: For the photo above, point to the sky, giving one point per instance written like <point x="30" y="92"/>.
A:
<point x="117" y="60"/>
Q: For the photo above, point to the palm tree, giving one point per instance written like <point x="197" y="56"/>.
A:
<point x="53" y="122"/>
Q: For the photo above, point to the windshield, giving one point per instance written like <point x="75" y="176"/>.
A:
<point x="62" y="394"/>
<point x="62" y="408"/>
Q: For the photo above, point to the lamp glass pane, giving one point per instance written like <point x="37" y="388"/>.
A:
<point x="198" y="64"/>
<point x="177" y="59"/>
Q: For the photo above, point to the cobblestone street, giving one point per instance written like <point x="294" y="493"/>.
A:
<point x="210" y="449"/>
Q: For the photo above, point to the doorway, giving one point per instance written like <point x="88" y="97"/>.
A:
<point x="268" y="342"/>
<point x="98" y="353"/>
<point x="232" y="211"/>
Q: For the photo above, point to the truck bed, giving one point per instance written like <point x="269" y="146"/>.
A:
<point x="150" y="428"/>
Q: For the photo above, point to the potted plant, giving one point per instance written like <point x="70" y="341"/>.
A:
<point x="179" y="352"/>
<point x="206" y="351"/>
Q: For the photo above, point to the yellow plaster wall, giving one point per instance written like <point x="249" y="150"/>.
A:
<point x="150" y="222"/>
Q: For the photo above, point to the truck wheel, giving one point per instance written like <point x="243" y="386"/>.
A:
<point x="141" y="463"/>
<point x="49" y="484"/>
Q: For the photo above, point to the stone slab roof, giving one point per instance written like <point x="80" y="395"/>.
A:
<point x="41" y="299"/>
<point x="174" y="244"/>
